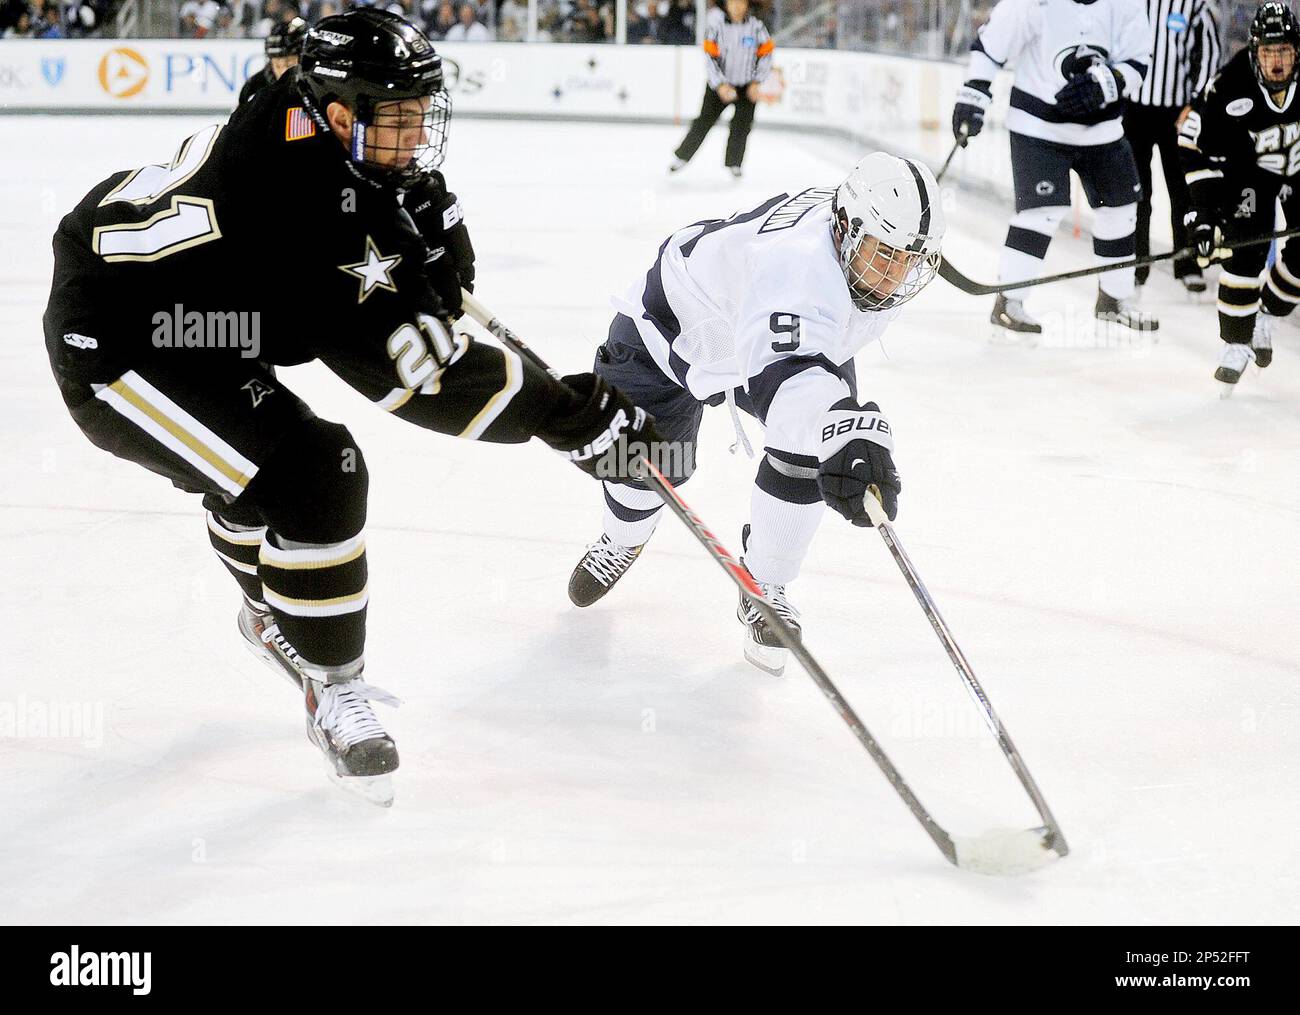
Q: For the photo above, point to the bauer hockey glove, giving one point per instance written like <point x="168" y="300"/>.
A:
<point x="600" y="430"/>
<point x="857" y="453"/>
<point x="1096" y="88"/>
<point x="438" y="216"/>
<point x="973" y="100"/>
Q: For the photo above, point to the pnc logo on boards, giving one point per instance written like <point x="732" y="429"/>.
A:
<point x="123" y="72"/>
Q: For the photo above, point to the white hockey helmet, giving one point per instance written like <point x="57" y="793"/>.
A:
<point x="888" y="223"/>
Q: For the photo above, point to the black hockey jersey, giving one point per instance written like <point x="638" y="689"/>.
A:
<point x="256" y="83"/>
<point x="329" y="261"/>
<point x="1235" y="129"/>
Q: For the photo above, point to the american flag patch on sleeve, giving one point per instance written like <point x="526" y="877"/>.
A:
<point x="298" y="125"/>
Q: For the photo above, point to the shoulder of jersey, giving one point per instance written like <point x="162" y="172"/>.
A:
<point x="801" y="268"/>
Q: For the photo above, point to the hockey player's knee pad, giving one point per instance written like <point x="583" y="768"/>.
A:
<point x="1041" y="220"/>
<point x="313" y="487"/>
<point x="1114" y="223"/>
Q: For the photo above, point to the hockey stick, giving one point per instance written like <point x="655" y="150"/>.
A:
<point x="959" y="143"/>
<point x="992" y="853"/>
<point x="1028" y="847"/>
<point x="950" y="274"/>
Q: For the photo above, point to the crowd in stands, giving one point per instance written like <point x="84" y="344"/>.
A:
<point x="900" y="26"/>
<point x="669" y="22"/>
<point x="51" y="19"/>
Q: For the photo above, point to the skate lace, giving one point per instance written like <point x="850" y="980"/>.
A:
<point x="344" y="710"/>
<point x="607" y="560"/>
<point x="272" y="637"/>
<point x="776" y="596"/>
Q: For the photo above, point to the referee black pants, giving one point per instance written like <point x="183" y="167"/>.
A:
<point x="1155" y="126"/>
<point x="741" y="122"/>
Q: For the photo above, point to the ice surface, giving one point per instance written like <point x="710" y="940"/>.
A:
<point x="1114" y="547"/>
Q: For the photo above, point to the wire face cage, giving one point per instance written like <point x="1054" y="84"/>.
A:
<point x="407" y="137"/>
<point x="882" y="277"/>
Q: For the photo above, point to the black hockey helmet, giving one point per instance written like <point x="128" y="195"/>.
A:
<point x="1274" y="23"/>
<point x="367" y="58"/>
<point x="285" y="38"/>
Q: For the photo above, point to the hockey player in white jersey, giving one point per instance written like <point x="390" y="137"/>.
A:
<point x="1075" y="63"/>
<point x="765" y="311"/>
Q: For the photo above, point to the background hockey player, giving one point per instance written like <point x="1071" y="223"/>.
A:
<point x="286" y="492"/>
<point x="765" y="310"/>
<point x="282" y="47"/>
<point x="1241" y="150"/>
<point x="1075" y="61"/>
<point x="738" y="57"/>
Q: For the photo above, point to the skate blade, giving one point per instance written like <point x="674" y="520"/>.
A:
<point x="377" y="789"/>
<point x="1226" y="389"/>
<point x="768" y="658"/>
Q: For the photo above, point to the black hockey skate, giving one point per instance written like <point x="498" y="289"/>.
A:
<point x="1012" y="316"/>
<point x="762" y="647"/>
<point x="1123" y="313"/>
<point x="360" y="756"/>
<point x="604" y="563"/>
<point x="264" y="640"/>
<point x="1194" y="283"/>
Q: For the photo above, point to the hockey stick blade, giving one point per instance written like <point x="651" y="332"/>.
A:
<point x="954" y="277"/>
<point x="1007" y="852"/>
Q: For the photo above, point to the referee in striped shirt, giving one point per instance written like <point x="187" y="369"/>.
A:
<point x="738" y="55"/>
<point x="1184" y="56"/>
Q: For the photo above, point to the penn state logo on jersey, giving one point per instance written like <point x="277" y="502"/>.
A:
<point x="1075" y="60"/>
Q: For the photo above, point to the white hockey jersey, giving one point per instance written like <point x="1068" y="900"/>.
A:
<point x="1049" y="41"/>
<point x="757" y="302"/>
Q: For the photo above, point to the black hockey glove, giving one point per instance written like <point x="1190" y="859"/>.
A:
<point x="600" y="430"/>
<point x="450" y="263"/>
<point x="973" y="100"/>
<point x="1097" y="87"/>
<point x="857" y="453"/>
<point x="1205" y="236"/>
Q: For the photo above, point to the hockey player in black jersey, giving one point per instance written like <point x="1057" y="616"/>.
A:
<point x="172" y="302"/>
<point x="283" y="46"/>
<point x="1240" y="146"/>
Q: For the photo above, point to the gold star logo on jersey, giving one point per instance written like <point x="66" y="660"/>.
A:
<point x="374" y="271"/>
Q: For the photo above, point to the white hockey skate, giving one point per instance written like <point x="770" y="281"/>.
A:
<point x="762" y="647"/>
<point x="359" y="755"/>
<point x="1232" y="364"/>
<point x="1261" y="342"/>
